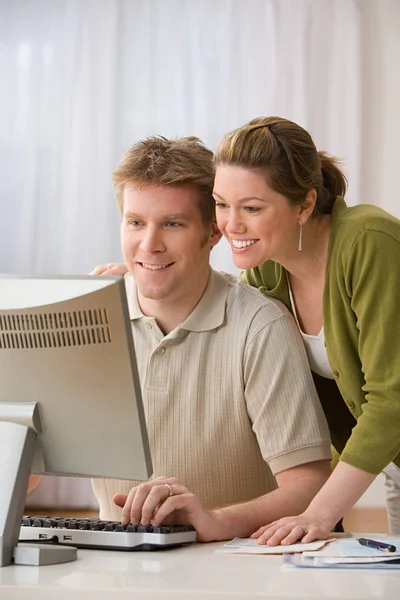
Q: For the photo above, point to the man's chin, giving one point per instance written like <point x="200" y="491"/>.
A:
<point x="151" y="293"/>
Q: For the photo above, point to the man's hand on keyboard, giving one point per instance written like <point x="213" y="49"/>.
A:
<point x="167" y="500"/>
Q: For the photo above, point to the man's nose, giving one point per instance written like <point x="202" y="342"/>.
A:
<point x="152" y="241"/>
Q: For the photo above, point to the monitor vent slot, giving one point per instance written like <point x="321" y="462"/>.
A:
<point x="54" y="330"/>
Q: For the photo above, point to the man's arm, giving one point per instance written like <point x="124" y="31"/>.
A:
<point x="297" y="488"/>
<point x="152" y="502"/>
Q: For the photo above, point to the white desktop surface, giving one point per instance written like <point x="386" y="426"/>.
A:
<point x="192" y="572"/>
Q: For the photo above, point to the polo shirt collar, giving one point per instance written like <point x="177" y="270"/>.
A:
<point x="131" y="294"/>
<point x="209" y="312"/>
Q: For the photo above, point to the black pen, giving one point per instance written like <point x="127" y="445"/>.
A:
<point x="377" y="545"/>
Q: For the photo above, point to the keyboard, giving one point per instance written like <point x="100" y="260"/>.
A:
<point x="103" y="535"/>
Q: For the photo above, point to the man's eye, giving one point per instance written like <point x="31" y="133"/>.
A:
<point x="172" y="224"/>
<point x="251" y="209"/>
<point x="134" y="223"/>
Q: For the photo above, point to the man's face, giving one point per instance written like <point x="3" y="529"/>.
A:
<point x="164" y="240"/>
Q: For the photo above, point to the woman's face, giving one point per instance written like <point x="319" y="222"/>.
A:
<point x="259" y="223"/>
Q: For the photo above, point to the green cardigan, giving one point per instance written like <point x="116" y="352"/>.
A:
<point x="361" y="305"/>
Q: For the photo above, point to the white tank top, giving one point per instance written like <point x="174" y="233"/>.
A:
<point x="315" y="346"/>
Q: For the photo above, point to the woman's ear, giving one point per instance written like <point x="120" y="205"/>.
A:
<point x="307" y="207"/>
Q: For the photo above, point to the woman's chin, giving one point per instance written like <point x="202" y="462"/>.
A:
<point x="245" y="261"/>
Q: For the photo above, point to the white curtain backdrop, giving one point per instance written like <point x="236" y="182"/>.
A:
<point x="82" y="80"/>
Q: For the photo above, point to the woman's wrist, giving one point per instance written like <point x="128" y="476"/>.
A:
<point x="326" y="517"/>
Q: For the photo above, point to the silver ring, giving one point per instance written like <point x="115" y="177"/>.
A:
<point x="170" y="490"/>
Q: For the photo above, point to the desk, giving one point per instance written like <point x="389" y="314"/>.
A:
<point x="190" y="573"/>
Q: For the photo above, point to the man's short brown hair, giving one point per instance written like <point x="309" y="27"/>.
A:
<point x="159" y="161"/>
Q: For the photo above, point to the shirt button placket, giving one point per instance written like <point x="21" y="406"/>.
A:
<point x="158" y="371"/>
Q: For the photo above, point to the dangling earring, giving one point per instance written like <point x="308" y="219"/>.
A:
<point x="300" y="245"/>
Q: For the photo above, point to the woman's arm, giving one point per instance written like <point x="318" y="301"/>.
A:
<point x="372" y="285"/>
<point x="342" y="490"/>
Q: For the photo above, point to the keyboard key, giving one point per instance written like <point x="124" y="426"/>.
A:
<point x="37" y="522"/>
<point x="49" y="523"/>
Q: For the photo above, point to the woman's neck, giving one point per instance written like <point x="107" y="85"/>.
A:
<point x="309" y="264"/>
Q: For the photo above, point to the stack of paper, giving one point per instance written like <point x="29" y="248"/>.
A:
<point x="348" y="553"/>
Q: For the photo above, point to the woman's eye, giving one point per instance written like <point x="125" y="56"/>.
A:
<point x="251" y="209"/>
<point x="220" y="205"/>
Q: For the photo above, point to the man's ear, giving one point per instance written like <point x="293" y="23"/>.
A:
<point x="307" y="207"/>
<point x="215" y="234"/>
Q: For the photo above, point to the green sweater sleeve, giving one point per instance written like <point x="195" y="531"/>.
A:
<point x="372" y="280"/>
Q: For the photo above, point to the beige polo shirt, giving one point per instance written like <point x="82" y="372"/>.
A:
<point x="228" y="396"/>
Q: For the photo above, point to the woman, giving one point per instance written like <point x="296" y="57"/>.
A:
<point x="279" y="203"/>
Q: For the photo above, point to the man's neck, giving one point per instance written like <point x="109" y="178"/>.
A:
<point x="171" y="312"/>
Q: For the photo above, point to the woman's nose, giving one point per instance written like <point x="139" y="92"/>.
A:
<point x="235" y="224"/>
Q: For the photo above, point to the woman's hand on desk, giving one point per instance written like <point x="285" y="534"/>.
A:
<point x="167" y="500"/>
<point x="342" y="490"/>
<point x="306" y="528"/>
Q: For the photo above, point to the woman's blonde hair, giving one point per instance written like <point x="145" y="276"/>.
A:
<point x="285" y="154"/>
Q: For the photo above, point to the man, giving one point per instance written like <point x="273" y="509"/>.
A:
<point x="227" y="390"/>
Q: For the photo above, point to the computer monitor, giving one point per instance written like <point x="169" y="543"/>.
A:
<point x="70" y="398"/>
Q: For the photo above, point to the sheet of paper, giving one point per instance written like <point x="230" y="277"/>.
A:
<point x="250" y="546"/>
<point x="351" y="548"/>
<point x="296" y="561"/>
<point x="342" y="560"/>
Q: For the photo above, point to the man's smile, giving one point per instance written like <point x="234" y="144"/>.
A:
<point x="154" y="267"/>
